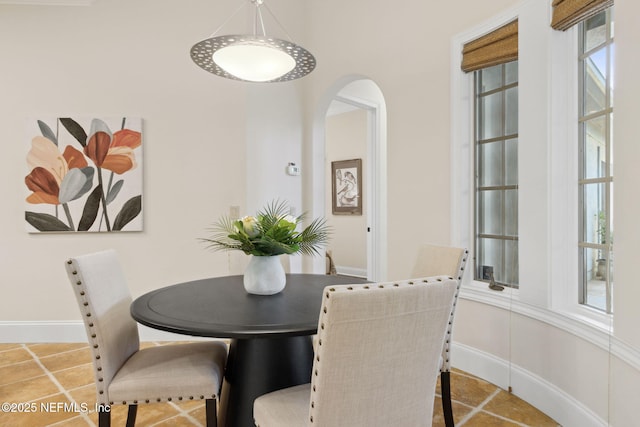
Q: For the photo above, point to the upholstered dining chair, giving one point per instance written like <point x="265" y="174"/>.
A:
<point x="435" y="260"/>
<point x="376" y="362"/>
<point x="124" y="373"/>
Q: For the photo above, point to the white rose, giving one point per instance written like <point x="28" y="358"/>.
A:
<point x="250" y="226"/>
<point x="290" y="219"/>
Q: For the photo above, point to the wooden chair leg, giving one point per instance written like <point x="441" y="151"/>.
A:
<point x="131" y="415"/>
<point x="104" y="416"/>
<point x="445" y="389"/>
<point x="212" y="413"/>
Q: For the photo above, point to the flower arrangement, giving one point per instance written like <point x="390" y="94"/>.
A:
<point x="273" y="231"/>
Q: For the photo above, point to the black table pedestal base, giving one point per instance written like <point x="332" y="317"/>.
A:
<point x="258" y="366"/>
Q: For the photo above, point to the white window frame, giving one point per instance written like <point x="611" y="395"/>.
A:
<point x="565" y="191"/>
<point x="583" y="288"/>
<point x="504" y="237"/>
<point x="548" y="95"/>
<point x="463" y="162"/>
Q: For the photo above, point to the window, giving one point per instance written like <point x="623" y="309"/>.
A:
<point x="496" y="180"/>
<point x="595" y="181"/>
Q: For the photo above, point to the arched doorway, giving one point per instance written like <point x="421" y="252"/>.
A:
<point x="349" y="94"/>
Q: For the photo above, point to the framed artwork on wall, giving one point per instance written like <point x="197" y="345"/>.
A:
<point x="84" y="175"/>
<point x="346" y="187"/>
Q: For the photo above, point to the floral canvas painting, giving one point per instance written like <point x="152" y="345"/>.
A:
<point x="84" y="174"/>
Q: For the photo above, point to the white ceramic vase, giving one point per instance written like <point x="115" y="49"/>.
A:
<point x="264" y="275"/>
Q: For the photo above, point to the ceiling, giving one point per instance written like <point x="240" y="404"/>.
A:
<point x="49" y="2"/>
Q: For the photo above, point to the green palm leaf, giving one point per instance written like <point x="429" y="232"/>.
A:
<point x="276" y="234"/>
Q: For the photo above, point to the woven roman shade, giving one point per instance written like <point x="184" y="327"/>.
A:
<point x="497" y="47"/>
<point x="567" y="13"/>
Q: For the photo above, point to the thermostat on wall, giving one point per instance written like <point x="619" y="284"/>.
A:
<point x="293" y="170"/>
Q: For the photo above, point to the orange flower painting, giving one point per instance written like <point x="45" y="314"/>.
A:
<point x="84" y="175"/>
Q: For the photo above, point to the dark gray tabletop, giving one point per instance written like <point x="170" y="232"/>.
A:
<point x="220" y="307"/>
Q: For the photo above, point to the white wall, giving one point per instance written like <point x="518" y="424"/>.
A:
<point x="120" y="57"/>
<point x="274" y="136"/>
<point x="405" y="51"/>
<point x="627" y="211"/>
<point x="626" y="153"/>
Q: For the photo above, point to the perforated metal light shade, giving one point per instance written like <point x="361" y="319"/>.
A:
<point x="257" y="58"/>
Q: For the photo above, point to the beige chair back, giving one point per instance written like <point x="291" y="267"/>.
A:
<point x="439" y="261"/>
<point x="374" y="342"/>
<point x="443" y="260"/>
<point x="103" y="296"/>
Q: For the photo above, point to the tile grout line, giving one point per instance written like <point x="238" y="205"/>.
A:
<point x="478" y="408"/>
<point x="7" y="350"/>
<point x="83" y="347"/>
<point x="63" y="422"/>
<point x="505" y="418"/>
<point x="92" y="386"/>
<point x="39" y="365"/>
<point x="55" y="381"/>
<point x="181" y="412"/>
<point x="13" y="362"/>
<point x="15" y="366"/>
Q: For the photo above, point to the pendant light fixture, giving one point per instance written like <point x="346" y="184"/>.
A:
<point x="253" y="58"/>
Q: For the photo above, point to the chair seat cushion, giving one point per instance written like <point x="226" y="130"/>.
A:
<point x="283" y="408"/>
<point x="170" y="372"/>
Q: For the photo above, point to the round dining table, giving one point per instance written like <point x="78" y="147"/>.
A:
<point x="270" y="335"/>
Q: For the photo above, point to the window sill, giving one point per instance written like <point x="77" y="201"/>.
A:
<point x="480" y="292"/>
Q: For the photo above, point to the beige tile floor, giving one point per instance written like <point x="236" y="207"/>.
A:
<point x="52" y="378"/>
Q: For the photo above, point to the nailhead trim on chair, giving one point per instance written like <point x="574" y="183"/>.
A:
<point x="445" y="365"/>
<point x="162" y="399"/>
<point x="325" y="310"/>
<point x="94" y="343"/>
<point x="96" y="355"/>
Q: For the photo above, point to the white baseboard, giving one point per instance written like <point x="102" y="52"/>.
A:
<point x="351" y="271"/>
<point x="540" y="393"/>
<point x="70" y="331"/>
